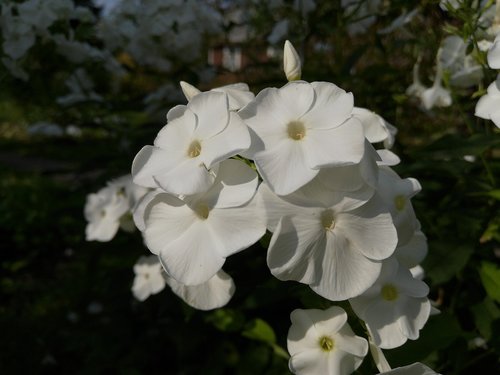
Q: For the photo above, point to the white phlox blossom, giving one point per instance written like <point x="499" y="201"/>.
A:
<point x="239" y="95"/>
<point x="396" y="193"/>
<point x="375" y="127"/>
<point x="212" y="294"/>
<point x="193" y="236"/>
<point x="196" y="138"/>
<point x="395" y="308"/>
<point x="149" y="278"/>
<point x="488" y="106"/>
<point x="436" y="95"/>
<point x="300" y="128"/>
<point x="110" y="208"/>
<point x="333" y="244"/>
<point x="322" y="342"/>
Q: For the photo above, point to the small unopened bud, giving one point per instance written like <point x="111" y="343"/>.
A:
<point x="188" y="90"/>
<point x="291" y="62"/>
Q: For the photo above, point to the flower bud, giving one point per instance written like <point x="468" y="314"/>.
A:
<point x="291" y="62"/>
<point x="188" y="90"/>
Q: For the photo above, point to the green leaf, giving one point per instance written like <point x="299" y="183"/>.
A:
<point x="226" y="320"/>
<point x="485" y="313"/>
<point x="258" y="329"/>
<point x="445" y="261"/>
<point x="490" y="276"/>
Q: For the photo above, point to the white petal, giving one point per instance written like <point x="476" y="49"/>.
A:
<point x="188" y="177"/>
<point x="167" y="218"/>
<point x="238" y="94"/>
<point x="103" y="230"/>
<point x="176" y="136"/>
<point x="232" y="140"/>
<point x="294" y="248"/>
<point x="373" y="125"/>
<point x="296" y="99"/>
<point x="211" y="109"/>
<point x="412" y="316"/>
<point x="413" y="252"/>
<point x="140" y="288"/>
<point x="487" y="105"/>
<point x="346" y="273"/>
<point x="141" y="210"/>
<point x="148" y="162"/>
<point x="284" y="167"/>
<point x="413" y="369"/>
<point x="310" y="362"/>
<point x="382" y="321"/>
<point x="332" y="106"/>
<point x="369" y="229"/>
<point x="177" y="111"/>
<point x="276" y="207"/>
<point x="237" y="228"/>
<point x="409" y="285"/>
<point x="342" y="145"/>
<point x="389" y="158"/>
<point x="235" y="185"/>
<point x="194" y="257"/>
<point x="350" y="343"/>
<point x="212" y="294"/>
<point x="494" y="55"/>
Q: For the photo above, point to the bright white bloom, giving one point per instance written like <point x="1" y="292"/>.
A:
<point x="148" y="277"/>
<point x="212" y="294"/>
<point x="239" y="95"/>
<point x="396" y="193"/>
<point x="388" y="158"/>
<point x="395" y="308"/>
<point x="300" y="128"/>
<point x="375" y="127"/>
<point x="110" y="208"/>
<point x="413" y="369"/>
<point x="196" y="138"/>
<point x="322" y="342"/>
<point x="291" y="62"/>
<point x="488" y="106"/>
<point x="193" y="236"/>
<point x="327" y="241"/>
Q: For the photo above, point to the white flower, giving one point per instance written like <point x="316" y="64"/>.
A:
<point x="436" y="96"/>
<point x="375" y="127"/>
<point x="196" y="138"/>
<point x="239" y="95"/>
<point x="322" y="342"/>
<point x="413" y="369"/>
<point x="107" y="209"/>
<point x="291" y="62"/>
<point x="212" y="294"/>
<point x="194" y="236"/>
<point x="464" y="70"/>
<point x="326" y="241"/>
<point x="148" y="277"/>
<point x="488" y="106"/>
<point x="300" y="128"/>
<point x="395" y="308"/>
<point x="396" y="193"/>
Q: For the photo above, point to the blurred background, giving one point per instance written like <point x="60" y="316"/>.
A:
<point x="85" y="84"/>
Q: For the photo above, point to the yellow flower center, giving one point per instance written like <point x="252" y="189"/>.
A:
<point x="202" y="211"/>
<point x="194" y="149"/>
<point x="326" y="343"/>
<point x="327" y="220"/>
<point x="296" y="130"/>
<point x="389" y="292"/>
<point x="400" y="202"/>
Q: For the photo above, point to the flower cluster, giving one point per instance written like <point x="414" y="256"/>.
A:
<point x="341" y="218"/>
